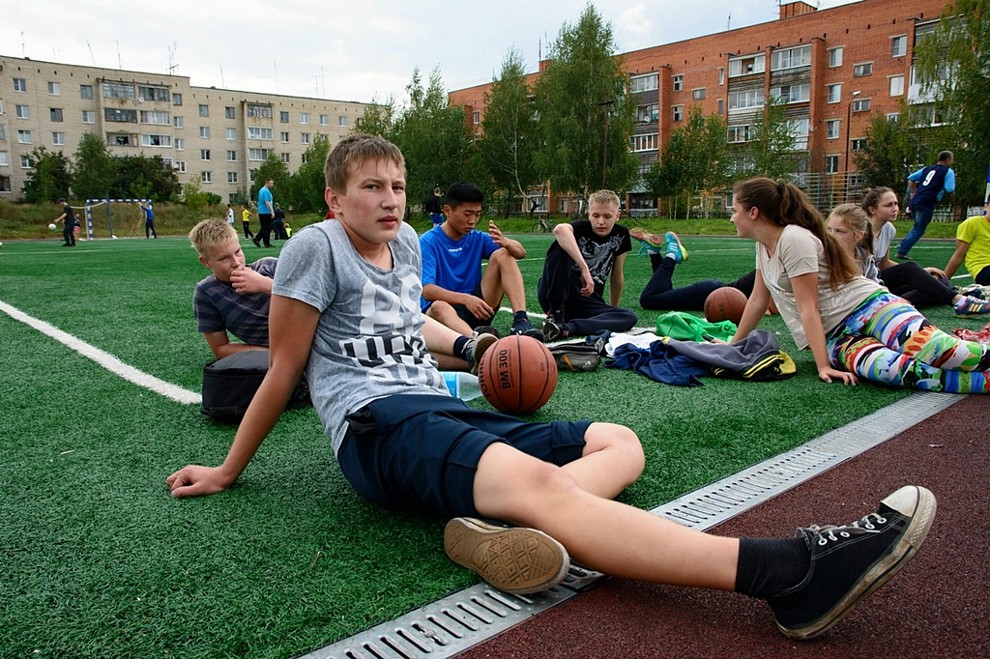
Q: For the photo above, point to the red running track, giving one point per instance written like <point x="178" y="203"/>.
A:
<point x="937" y="606"/>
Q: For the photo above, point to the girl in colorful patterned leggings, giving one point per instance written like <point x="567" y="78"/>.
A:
<point x="853" y="326"/>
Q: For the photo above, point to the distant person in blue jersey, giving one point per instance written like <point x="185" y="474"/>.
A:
<point x="266" y="211"/>
<point x="927" y="186"/>
<point x="149" y="219"/>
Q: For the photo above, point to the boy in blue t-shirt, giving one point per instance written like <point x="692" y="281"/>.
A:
<point x="455" y="292"/>
<point x="345" y="307"/>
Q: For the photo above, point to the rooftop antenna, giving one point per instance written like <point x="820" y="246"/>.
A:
<point x="728" y="22"/>
<point x="275" y="64"/>
<point x="171" y="57"/>
<point x="23" y="51"/>
<point x="120" y="64"/>
<point x="223" y="85"/>
<point x="323" y="77"/>
<point x="90" y="52"/>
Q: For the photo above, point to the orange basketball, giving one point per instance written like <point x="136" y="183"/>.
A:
<point x="517" y="375"/>
<point x="725" y="303"/>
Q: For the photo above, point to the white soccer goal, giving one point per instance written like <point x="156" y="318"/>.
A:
<point x="131" y="220"/>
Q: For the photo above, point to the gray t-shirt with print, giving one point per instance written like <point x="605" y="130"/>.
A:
<point x="368" y="342"/>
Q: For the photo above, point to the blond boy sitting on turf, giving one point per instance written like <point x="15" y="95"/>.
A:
<point x="345" y="308"/>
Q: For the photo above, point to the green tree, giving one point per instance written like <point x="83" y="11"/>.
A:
<point x="50" y="176"/>
<point x="193" y="195"/>
<point x="435" y="139"/>
<point x="889" y="155"/>
<point x="378" y="119"/>
<point x="308" y="183"/>
<point x="695" y="158"/>
<point x="94" y="168"/>
<point x="770" y="150"/>
<point x="585" y="114"/>
<point x="273" y="168"/>
<point x="953" y="65"/>
<point x="144" y="177"/>
<point x="509" y="142"/>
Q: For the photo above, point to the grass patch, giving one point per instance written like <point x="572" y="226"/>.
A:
<point x="99" y="561"/>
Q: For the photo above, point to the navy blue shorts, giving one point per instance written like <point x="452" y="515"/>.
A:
<point x="410" y="451"/>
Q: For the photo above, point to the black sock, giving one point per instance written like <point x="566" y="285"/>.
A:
<point x="768" y="566"/>
<point x="520" y="316"/>
<point x="460" y="343"/>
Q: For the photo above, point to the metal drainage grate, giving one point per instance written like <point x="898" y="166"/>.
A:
<point x="473" y="615"/>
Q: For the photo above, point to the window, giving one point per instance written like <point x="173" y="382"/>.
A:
<point x="864" y="69"/>
<point x="204" y="110"/>
<point x="232" y="133"/>
<point x="678" y="82"/>
<point x="861" y="105"/>
<point x="156" y="117"/>
<point x="283" y="117"/>
<point x="721" y="75"/>
<point x="831" y="164"/>
<point x="721" y="106"/>
<point x="744" y="66"/>
<point x="752" y="98"/>
<point x="58" y="138"/>
<point x="204" y="154"/>
<point x="259" y="154"/>
<point x="259" y="133"/>
<point x="647" y="113"/>
<point x="304" y="138"/>
<point x="324" y="119"/>
<point x="23" y="137"/>
<point x="206" y="177"/>
<point x="835" y="57"/>
<point x="150" y="93"/>
<point x="475" y="117"/>
<point x="792" y="93"/>
<point x="791" y="58"/>
<point x="22" y="111"/>
<point x="284" y="136"/>
<point x="180" y="144"/>
<point x="304" y="117"/>
<point x="648" y="142"/>
<point x="54" y="89"/>
<point x="798" y="129"/>
<point x="898" y="46"/>
<point x="177" y="100"/>
<point x="736" y="134"/>
<point x="897" y="85"/>
<point x="118" y="90"/>
<point x="834" y="93"/>
<point x="285" y="158"/>
<point x="677" y="112"/>
<point x="180" y="166"/>
<point x="55" y="114"/>
<point x="3" y="131"/>
<point x="178" y="122"/>
<point x="204" y="132"/>
<point x="121" y="139"/>
<point x="5" y="184"/>
<point x="231" y="156"/>
<point x="304" y="157"/>
<point x="119" y="115"/>
<point x="228" y="112"/>
<point x="698" y="94"/>
<point x="4" y="159"/>
<point x="26" y="162"/>
<point x="252" y="174"/>
<point x="231" y="177"/>
<point x="259" y="111"/>
<point x="156" y="140"/>
<point x="342" y="121"/>
<point x="89" y="116"/>
<point x="644" y="83"/>
<point x="858" y="144"/>
<point x="832" y="129"/>
<point x="1" y="106"/>
<point x="20" y="85"/>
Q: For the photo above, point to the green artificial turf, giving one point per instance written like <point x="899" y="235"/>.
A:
<point x="97" y="560"/>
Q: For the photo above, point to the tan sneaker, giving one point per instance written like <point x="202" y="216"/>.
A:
<point x="512" y="559"/>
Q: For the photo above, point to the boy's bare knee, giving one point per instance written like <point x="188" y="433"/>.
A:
<point x="620" y="441"/>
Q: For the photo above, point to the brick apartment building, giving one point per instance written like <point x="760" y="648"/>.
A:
<point x="219" y="135"/>
<point x="833" y="68"/>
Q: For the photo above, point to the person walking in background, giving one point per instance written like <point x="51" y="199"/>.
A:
<point x="230" y="215"/>
<point x="246" y="222"/>
<point x="149" y="220"/>
<point x="434" y="206"/>
<point x="68" y="218"/>
<point x="266" y="211"/>
<point x="278" y="224"/>
<point x="927" y="186"/>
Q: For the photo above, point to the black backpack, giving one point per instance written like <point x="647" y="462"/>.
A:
<point x="230" y="383"/>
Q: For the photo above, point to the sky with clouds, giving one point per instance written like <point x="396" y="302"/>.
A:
<point x="352" y="51"/>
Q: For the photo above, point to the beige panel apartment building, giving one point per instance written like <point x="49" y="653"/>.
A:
<point x="219" y="135"/>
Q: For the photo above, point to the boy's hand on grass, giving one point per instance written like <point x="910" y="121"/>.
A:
<point x="193" y="480"/>
<point x="828" y="374"/>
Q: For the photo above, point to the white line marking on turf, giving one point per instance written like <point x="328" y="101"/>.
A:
<point x="105" y="359"/>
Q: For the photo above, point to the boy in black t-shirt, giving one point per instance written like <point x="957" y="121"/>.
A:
<point x="68" y="219"/>
<point x="583" y="255"/>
